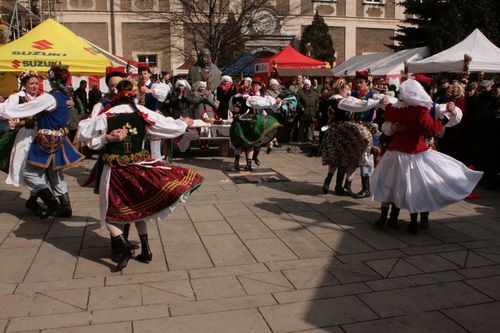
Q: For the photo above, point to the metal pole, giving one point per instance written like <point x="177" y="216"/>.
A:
<point x="112" y="23"/>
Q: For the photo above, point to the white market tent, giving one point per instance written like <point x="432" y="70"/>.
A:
<point x="380" y="64"/>
<point x="394" y="64"/>
<point x="485" y="57"/>
<point x="358" y="63"/>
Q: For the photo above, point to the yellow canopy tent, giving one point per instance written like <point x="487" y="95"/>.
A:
<point x="48" y="43"/>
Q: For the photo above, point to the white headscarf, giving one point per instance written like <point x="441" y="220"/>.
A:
<point x="182" y="82"/>
<point x="226" y="78"/>
<point x="412" y="93"/>
<point x="307" y="81"/>
<point x="273" y="82"/>
<point x="248" y="79"/>
<point x="199" y="84"/>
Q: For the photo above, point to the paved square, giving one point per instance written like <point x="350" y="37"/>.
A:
<point x="262" y="256"/>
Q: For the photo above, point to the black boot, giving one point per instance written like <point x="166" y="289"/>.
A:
<point x="347" y="188"/>
<point x="424" y="220"/>
<point x="326" y="183"/>
<point x="237" y="162"/>
<point x="65" y="210"/>
<point x="413" y="228"/>
<point x="383" y="217"/>
<point x="33" y="205"/>
<point x="146" y="254"/>
<point x="248" y="167"/>
<point x="50" y="201"/>
<point x="125" y="251"/>
<point x="115" y="249"/>
<point x="339" y="180"/>
<point x="365" y="191"/>
<point x="393" y="218"/>
<point x="126" y="231"/>
<point x="255" y="157"/>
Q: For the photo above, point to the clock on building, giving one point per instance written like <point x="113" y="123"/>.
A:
<point x="264" y="21"/>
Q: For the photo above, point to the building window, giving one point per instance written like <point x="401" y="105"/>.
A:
<point x="374" y="2"/>
<point x="150" y="59"/>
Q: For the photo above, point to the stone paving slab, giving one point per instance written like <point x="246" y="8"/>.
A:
<point x="244" y="321"/>
<point x="482" y="318"/>
<point x="267" y="257"/>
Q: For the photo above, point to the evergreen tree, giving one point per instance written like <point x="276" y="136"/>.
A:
<point x="440" y="24"/>
<point x="316" y="41"/>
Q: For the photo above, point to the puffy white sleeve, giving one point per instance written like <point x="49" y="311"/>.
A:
<point x="454" y="118"/>
<point x="45" y="102"/>
<point x="353" y="104"/>
<point x="162" y="127"/>
<point x="95" y="110"/>
<point x="93" y="131"/>
<point x="386" y="128"/>
<point x="160" y="91"/>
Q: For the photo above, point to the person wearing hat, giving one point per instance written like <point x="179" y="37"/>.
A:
<point x="410" y="175"/>
<point x="114" y="75"/>
<point x="273" y="91"/>
<point x="19" y="138"/>
<point x="308" y="105"/>
<point x="225" y="91"/>
<point x="151" y="95"/>
<point x="50" y="152"/>
<point x="136" y="188"/>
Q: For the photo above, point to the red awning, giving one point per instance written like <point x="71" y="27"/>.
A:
<point x="289" y="57"/>
<point x="311" y="72"/>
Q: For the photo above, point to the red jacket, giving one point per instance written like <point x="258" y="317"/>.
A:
<point x="417" y="122"/>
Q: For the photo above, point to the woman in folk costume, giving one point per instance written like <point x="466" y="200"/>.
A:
<point x="411" y="175"/>
<point x="20" y="137"/>
<point x="135" y="187"/>
<point x="224" y="92"/>
<point x="436" y="111"/>
<point x="345" y="141"/>
<point x="250" y="129"/>
<point x="50" y="152"/>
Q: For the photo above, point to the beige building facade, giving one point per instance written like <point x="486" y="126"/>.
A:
<point x="136" y="30"/>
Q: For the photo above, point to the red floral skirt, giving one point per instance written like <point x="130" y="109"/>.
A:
<point x="141" y="191"/>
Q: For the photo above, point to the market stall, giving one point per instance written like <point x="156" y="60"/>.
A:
<point x="474" y="54"/>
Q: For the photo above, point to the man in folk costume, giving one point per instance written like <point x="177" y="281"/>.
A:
<point x="365" y="92"/>
<point x="50" y="153"/>
<point x="410" y="175"/>
<point x="151" y="95"/>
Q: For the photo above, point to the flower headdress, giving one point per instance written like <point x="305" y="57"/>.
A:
<point x="58" y="75"/>
<point x="26" y="75"/>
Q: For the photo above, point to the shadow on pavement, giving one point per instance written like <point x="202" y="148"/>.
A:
<point x="364" y="264"/>
<point x="65" y="234"/>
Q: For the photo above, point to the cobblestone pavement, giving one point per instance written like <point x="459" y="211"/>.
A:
<point x="266" y="257"/>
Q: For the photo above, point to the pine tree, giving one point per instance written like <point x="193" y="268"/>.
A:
<point x="316" y="41"/>
<point x="440" y="24"/>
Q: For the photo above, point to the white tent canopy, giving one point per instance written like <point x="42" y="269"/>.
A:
<point x="379" y="64"/>
<point x="358" y="63"/>
<point x="485" y="57"/>
<point x="395" y="63"/>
